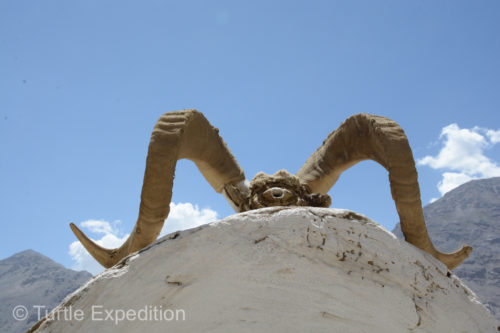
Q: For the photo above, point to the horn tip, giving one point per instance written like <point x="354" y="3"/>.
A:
<point x="453" y="260"/>
<point x="75" y="229"/>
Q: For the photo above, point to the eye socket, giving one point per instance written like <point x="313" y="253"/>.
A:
<point x="277" y="194"/>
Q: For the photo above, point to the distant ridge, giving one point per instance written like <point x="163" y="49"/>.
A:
<point x="471" y="214"/>
<point x="29" y="278"/>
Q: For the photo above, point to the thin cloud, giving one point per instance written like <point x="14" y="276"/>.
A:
<point x="494" y="136"/>
<point x="185" y="216"/>
<point x="97" y="226"/>
<point x="462" y="156"/>
<point x="182" y="216"/>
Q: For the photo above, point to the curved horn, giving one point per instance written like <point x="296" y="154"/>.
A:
<point x="176" y="135"/>
<point x="364" y="136"/>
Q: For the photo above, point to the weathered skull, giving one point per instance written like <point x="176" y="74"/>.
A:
<point x="282" y="189"/>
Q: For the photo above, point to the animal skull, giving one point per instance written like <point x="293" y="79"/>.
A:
<point x="187" y="134"/>
<point x="280" y="189"/>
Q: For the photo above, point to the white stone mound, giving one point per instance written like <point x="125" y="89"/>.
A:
<point x="276" y="270"/>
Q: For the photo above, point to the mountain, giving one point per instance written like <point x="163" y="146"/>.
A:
<point x="471" y="214"/>
<point x="277" y="269"/>
<point x="31" y="279"/>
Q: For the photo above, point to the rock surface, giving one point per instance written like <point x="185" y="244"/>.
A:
<point x="471" y="214"/>
<point x="29" y="278"/>
<point x="275" y="270"/>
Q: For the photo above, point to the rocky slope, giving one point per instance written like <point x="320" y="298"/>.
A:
<point x="30" y="279"/>
<point x="275" y="270"/>
<point x="471" y="214"/>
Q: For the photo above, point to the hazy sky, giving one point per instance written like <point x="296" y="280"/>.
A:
<point x="82" y="84"/>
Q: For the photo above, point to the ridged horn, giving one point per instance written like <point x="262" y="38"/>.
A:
<point x="369" y="137"/>
<point x="176" y="135"/>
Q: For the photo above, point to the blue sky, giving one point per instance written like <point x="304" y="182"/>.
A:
<point x="83" y="82"/>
